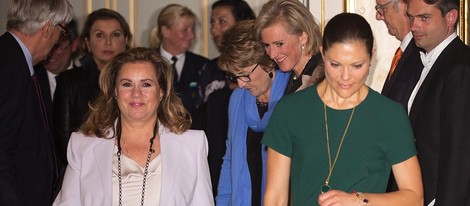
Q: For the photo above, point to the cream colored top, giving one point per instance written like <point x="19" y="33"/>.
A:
<point x="132" y="177"/>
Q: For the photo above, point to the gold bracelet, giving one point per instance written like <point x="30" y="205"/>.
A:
<point x="363" y="201"/>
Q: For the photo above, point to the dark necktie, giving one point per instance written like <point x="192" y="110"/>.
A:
<point x="175" y="73"/>
<point x="41" y="102"/>
<point x="45" y="122"/>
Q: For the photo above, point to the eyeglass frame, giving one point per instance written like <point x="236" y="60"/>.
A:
<point x="380" y="8"/>
<point x="243" y="78"/>
<point x="63" y="30"/>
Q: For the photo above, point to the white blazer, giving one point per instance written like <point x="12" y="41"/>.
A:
<point x="185" y="171"/>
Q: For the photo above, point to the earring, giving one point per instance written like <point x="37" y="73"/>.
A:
<point x="270" y="73"/>
<point x="161" y="98"/>
<point x="303" y="47"/>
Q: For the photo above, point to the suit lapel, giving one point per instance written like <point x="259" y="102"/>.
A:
<point x="104" y="153"/>
<point x="404" y="57"/>
<point x="170" y="155"/>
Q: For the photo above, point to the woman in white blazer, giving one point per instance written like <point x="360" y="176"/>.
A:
<point x="135" y="147"/>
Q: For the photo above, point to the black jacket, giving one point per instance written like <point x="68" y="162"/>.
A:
<point x="75" y="89"/>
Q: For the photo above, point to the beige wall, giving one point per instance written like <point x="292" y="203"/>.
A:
<point x="142" y="14"/>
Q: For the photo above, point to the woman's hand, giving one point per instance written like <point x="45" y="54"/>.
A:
<point x="337" y="198"/>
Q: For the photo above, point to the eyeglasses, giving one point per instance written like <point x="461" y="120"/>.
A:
<point x="63" y="30"/>
<point x="61" y="46"/>
<point x="380" y="8"/>
<point x="243" y="78"/>
<point x="231" y="77"/>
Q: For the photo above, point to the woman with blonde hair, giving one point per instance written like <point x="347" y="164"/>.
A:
<point x="172" y="37"/>
<point x="291" y="38"/>
<point x="135" y="147"/>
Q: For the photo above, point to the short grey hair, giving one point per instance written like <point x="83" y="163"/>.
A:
<point x="28" y="16"/>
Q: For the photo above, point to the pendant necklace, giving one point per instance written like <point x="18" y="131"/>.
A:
<point x="119" y="153"/>
<point x="326" y="187"/>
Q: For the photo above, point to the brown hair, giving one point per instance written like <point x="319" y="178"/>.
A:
<point x="104" y="111"/>
<point x="241" y="48"/>
<point x="105" y="14"/>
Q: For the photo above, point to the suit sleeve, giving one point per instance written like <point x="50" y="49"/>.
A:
<point x="70" y="192"/>
<point x="62" y="122"/>
<point x="453" y="186"/>
<point x="203" y="193"/>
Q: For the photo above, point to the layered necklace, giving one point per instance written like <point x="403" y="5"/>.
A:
<point x="326" y="186"/>
<point x="119" y="153"/>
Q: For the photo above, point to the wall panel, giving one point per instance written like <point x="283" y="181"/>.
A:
<point x="142" y="15"/>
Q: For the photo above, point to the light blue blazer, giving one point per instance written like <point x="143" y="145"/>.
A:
<point x="185" y="171"/>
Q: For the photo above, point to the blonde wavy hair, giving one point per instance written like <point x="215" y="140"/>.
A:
<point x="295" y="18"/>
<point x="104" y="110"/>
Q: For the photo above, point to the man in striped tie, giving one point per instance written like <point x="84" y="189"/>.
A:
<point x="406" y="65"/>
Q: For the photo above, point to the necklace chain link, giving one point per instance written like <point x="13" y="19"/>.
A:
<point x="332" y="166"/>
<point x="146" y="169"/>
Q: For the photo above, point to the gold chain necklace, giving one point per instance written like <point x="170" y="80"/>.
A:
<point x="326" y="187"/>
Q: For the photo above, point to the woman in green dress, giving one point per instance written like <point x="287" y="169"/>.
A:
<point x="336" y="142"/>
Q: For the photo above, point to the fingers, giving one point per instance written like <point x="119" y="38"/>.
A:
<point x="336" y="198"/>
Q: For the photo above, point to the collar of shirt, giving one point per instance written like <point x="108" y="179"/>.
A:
<point x="404" y="43"/>
<point x="179" y="63"/>
<point x="429" y="58"/>
<point x="27" y="54"/>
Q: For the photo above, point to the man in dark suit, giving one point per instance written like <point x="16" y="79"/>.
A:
<point x="406" y="68"/>
<point x="60" y="59"/>
<point x="440" y="103"/>
<point x="27" y="161"/>
<point x="406" y="71"/>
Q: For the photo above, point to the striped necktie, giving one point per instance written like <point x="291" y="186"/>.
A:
<point x="395" y="60"/>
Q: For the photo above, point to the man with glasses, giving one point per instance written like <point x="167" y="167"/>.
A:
<point x="439" y="104"/>
<point x="28" y="169"/>
<point x="60" y="59"/>
<point x="406" y="65"/>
